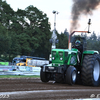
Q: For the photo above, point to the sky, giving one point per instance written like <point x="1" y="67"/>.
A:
<point x="63" y="19"/>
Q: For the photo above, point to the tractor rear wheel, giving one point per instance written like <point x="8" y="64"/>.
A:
<point x="90" y="72"/>
<point x="44" y="76"/>
<point x="71" y="75"/>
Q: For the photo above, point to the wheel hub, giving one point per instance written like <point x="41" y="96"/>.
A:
<point x="74" y="76"/>
<point x="96" y="71"/>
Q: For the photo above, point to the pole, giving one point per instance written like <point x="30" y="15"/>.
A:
<point x="54" y="36"/>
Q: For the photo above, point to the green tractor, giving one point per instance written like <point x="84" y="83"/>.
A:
<point x="73" y="65"/>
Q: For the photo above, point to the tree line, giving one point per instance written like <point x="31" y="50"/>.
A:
<point x="27" y="32"/>
<point x="24" y="32"/>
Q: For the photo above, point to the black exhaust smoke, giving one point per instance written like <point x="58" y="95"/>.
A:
<point x="80" y="7"/>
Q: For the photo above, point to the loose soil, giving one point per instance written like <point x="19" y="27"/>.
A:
<point x="34" y="89"/>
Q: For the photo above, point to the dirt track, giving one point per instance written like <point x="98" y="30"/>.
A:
<point x="34" y="89"/>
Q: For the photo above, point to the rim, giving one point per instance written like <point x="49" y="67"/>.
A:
<point x="74" y="76"/>
<point x="96" y="71"/>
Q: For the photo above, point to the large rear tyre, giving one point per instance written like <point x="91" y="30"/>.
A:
<point x="90" y="72"/>
<point x="45" y="77"/>
<point x="71" y="75"/>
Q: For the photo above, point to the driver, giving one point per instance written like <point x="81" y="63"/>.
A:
<point x="79" y="46"/>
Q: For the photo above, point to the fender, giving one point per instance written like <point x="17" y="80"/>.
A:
<point x="90" y="52"/>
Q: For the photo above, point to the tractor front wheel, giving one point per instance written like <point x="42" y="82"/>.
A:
<point x="44" y="76"/>
<point x="71" y="75"/>
<point x="90" y="72"/>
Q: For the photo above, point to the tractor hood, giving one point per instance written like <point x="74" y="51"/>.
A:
<point x="61" y="56"/>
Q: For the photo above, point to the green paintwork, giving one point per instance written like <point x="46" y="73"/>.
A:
<point x="90" y="52"/>
<point x="69" y="57"/>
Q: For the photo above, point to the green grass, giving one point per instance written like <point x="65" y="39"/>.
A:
<point x="19" y="76"/>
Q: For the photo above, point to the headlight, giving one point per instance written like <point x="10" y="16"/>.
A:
<point x="61" y="58"/>
<point x="53" y="58"/>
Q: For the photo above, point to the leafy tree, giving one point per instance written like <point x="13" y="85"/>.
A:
<point x="27" y="31"/>
<point x="15" y="48"/>
<point x="6" y="13"/>
<point x="66" y="32"/>
<point x="92" y="41"/>
<point x="93" y="36"/>
<point x="4" y="40"/>
<point x="24" y="44"/>
<point x="63" y="41"/>
<point x="39" y="31"/>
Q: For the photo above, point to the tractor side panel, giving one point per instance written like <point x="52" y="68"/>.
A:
<point x="72" y="59"/>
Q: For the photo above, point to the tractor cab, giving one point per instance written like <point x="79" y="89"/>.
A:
<point x="80" y="44"/>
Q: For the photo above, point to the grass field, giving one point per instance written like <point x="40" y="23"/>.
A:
<point x="20" y="76"/>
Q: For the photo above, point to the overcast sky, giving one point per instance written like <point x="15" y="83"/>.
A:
<point x="63" y="19"/>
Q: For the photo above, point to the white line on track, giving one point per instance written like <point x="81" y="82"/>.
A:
<point x="47" y="91"/>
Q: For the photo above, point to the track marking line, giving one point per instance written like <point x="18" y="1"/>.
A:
<point x="47" y="91"/>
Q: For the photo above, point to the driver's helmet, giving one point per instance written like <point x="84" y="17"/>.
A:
<point x="77" y="43"/>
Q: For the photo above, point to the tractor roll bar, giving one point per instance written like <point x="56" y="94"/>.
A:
<point x="80" y="32"/>
<point x="74" y="32"/>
